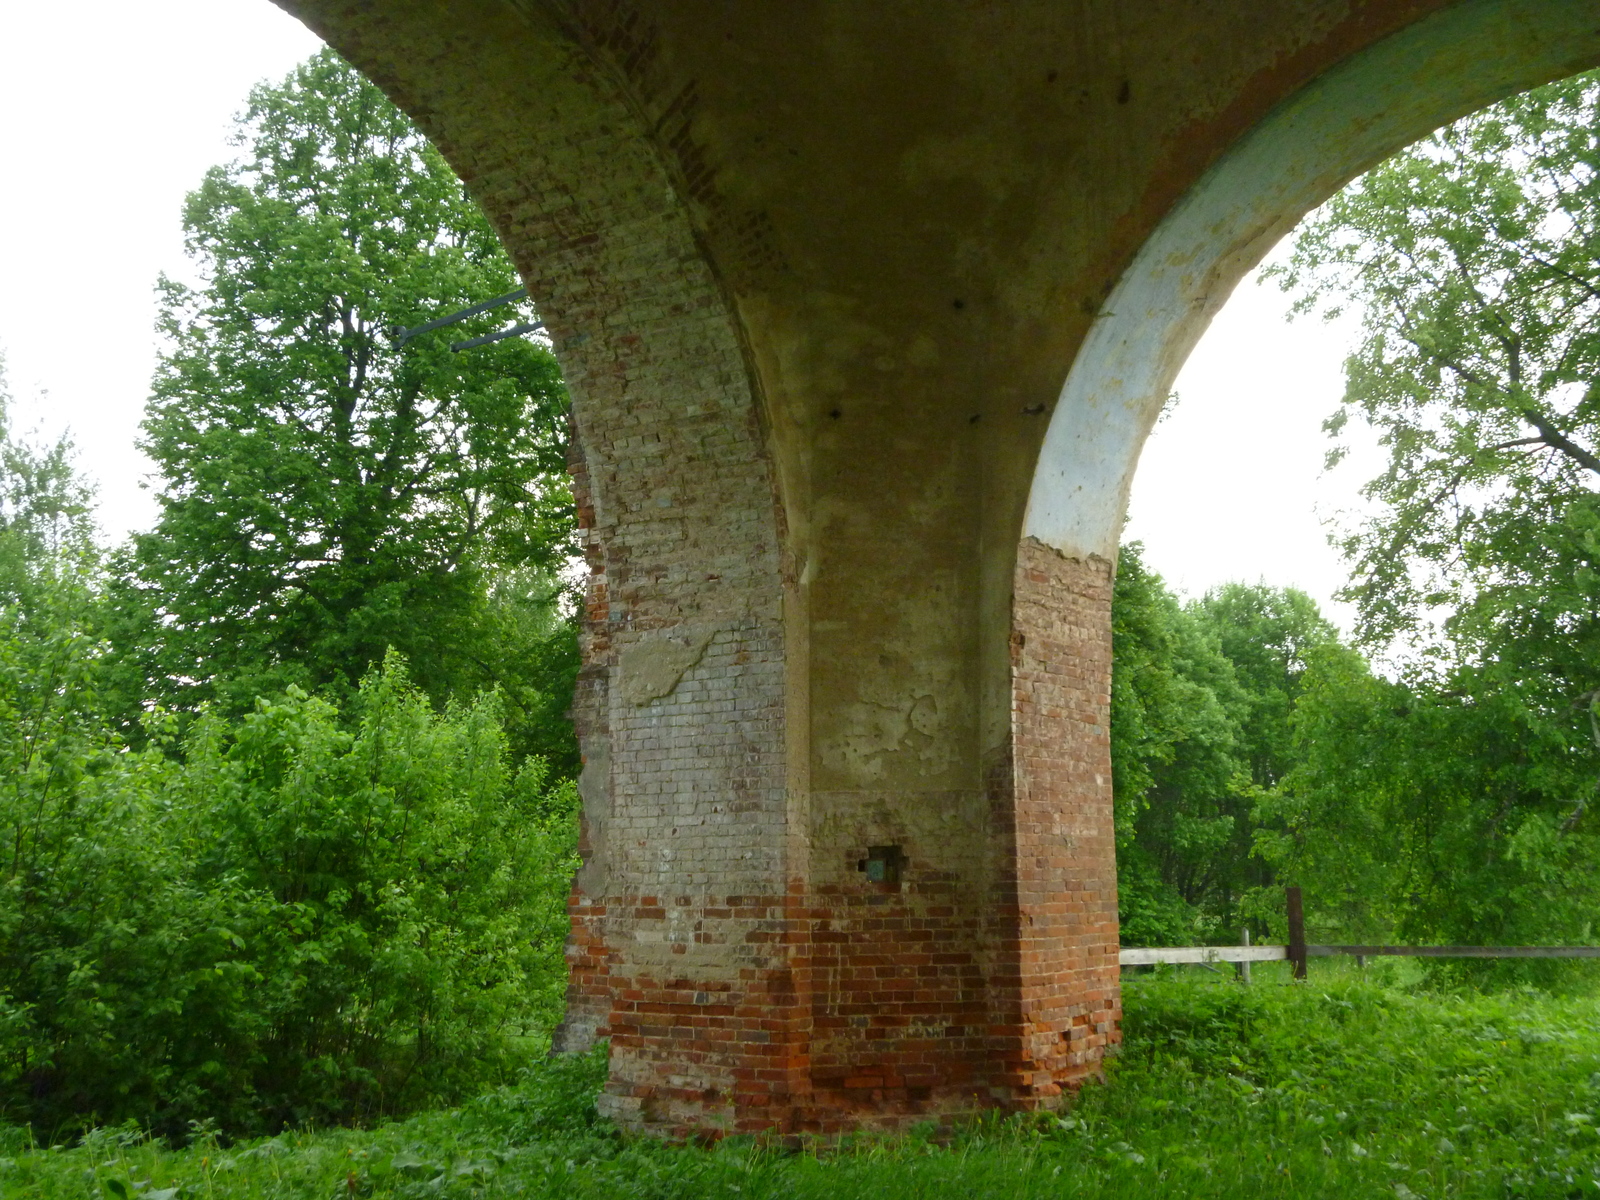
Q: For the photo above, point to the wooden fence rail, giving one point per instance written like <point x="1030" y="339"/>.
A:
<point x="1147" y="955"/>
<point x="1459" y="951"/>
<point x="1297" y="951"/>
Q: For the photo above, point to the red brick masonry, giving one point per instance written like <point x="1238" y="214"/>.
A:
<point x="984" y="975"/>
<point x="1064" y="850"/>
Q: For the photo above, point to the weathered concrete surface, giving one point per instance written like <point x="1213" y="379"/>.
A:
<point x="818" y="272"/>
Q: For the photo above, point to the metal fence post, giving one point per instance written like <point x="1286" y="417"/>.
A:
<point x="1244" y="967"/>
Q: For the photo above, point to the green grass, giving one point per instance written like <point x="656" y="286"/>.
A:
<point x="1338" y="1088"/>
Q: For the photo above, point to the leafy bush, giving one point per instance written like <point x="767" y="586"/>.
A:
<point x="288" y="918"/>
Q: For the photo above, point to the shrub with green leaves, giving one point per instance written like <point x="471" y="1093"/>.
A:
<point x="291" y="917"/>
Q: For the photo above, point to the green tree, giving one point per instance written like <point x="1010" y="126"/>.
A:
<point x="46" y="517"/>
<point x="1268" y="634"/>
<point x="299" y="914"/>
<point x="1421" y="814"/>
<point x="1336" y="821"/>
<point x="1203" y="733"/>
<point x="50" y="656"/>
<point x="1181" y="798"/>
<point x="326" y="493"/>
<point x="1474" y="260"/>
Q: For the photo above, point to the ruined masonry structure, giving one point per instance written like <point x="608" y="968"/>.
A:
<point x="866" y="307"/>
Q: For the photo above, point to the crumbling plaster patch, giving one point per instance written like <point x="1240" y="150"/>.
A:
<point x="651" y="669"/>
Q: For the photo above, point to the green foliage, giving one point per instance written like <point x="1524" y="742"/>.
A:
<point x="1269" y="636"/>
<point x="46" y="514"/>
<point x="1471" y="257"/>
<point x="1174" y="725"/>
<point x="1424" y="816"/>
<point x="325" y="494"/>
<point x="343" y="900"/>
<point x="1454" y="804"/>
<point x="298" y="919"/>
<point x="1202" y="702"/>
<point x="1325" y="827"/>
<point x="1342" y="1088"/>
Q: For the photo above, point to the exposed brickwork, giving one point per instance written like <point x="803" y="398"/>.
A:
<point x="749" y="977"/>
<point x="696" y="1047"/>
<point x="1067" y="995"/>
<point x="902" y="1027"/>
<point x="988" y="975"/>
<point x="985" y="975"/>
<point x="677" y="948"/>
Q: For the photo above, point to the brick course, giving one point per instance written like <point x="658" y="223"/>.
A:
<point x="1063" y="849"/>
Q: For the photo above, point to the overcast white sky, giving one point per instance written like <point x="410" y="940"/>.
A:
<point x="113" y="113"/>
<point x="102" y="143"/>
<point x="1231" y="483"/>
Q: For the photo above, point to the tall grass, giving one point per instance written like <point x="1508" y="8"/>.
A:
<point x="1343" y="1087"/>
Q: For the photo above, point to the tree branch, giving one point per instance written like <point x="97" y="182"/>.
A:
<point x="1556" y="440"/>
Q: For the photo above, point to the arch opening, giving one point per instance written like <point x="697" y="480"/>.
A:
<point x="1344" y="122"/>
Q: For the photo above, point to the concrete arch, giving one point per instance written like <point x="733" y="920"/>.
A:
<point x="1345" y="121"/>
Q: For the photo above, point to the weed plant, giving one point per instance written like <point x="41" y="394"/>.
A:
<point x="1345" y="1087"/>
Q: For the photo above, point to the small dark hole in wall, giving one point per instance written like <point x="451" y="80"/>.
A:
<point x="883" y="865"/>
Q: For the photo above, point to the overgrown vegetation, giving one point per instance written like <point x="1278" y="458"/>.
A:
<point x="1345" y="1087"/>
<point x="1471" y="258"/>
<point x="1203" y="701"/>
<point x="286" y="811"/>
<point x="285" y="918"/>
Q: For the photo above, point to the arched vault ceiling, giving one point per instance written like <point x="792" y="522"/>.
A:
<point x="916" y="208"/>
